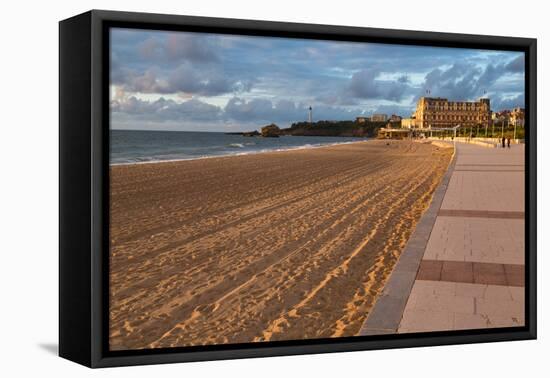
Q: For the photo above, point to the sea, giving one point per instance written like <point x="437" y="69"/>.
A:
<point x="137" y="146"/>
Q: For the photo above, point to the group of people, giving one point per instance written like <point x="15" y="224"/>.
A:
<point x="505" y="142"/>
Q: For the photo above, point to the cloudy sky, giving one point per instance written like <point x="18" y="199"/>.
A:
<point x="211" y="82"/>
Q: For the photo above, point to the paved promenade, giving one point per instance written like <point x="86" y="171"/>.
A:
<point x="467" y="253"/>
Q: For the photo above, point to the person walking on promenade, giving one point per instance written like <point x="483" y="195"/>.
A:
<point x="503" y="142"/>
<point x="508" y="142"/>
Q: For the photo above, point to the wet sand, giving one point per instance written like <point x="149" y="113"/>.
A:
<point x="273" y="246"/>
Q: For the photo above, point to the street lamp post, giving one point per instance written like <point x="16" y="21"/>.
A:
<point x="515" y="126"/>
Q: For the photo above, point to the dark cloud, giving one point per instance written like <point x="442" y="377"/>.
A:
<point x="284" y="111"/>
<point x="404" y="79"/>
<point x="169" y="63"/>
<point x="253" y="112"/>
<point x="403" y="111"/>
<point x="277" y="79"/>
<point x="186" y="78"/>
<point x="365" y="85"/>
<point x="501" y="103"/>
<point x="457" y="82"/>
<point x="463" y="81"/>
<point x="166" y="110"/>
<point x="195" y="48"/>
<point x="134" y="81"/>
<point x="255" y="109"/>
<point x="517" y="65"/>
<point x="338" y="97"/>
<point x="491" y="74"/>
<point x="281" y="111"/>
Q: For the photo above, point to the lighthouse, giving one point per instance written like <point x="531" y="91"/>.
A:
<point x="310" y="115"/>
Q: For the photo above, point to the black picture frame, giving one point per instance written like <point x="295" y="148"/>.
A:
<point x="84" y="187"/>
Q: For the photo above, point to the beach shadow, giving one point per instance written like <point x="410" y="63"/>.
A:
<point x="51" y="348"/>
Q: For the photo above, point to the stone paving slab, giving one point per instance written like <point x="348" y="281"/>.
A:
<point x="474" y="155"/>
<point x="477" y="239"/>
<point x="472" y="274"/>
<point x="444" y="306"/>
<point x="466" y="254"/>
<point x="482" y="214"/>
<point x="488" y="191"/>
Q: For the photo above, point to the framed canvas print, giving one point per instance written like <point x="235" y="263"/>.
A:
<point x="234" y="188"/>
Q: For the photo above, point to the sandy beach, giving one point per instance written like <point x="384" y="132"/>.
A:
<point x="272" y="246"/>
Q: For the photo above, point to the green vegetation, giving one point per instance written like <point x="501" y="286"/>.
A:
<point x="494" y="131"/>
<point x="334" y="128"/>
<point x="271" y="131"/>
<point x="370" y="129"/>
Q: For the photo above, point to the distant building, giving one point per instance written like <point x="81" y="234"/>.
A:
<point x="440" y="112"/>
<point x="361" y="119"/>
<point x="408" y="123"/>
<point x="517" y="117"/>
<point x="502" y="116"/>
<point x="395" y="118"/>
<point x="379" y="118"/>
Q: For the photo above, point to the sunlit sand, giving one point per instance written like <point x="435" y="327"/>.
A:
<point x="273" y="246"/>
